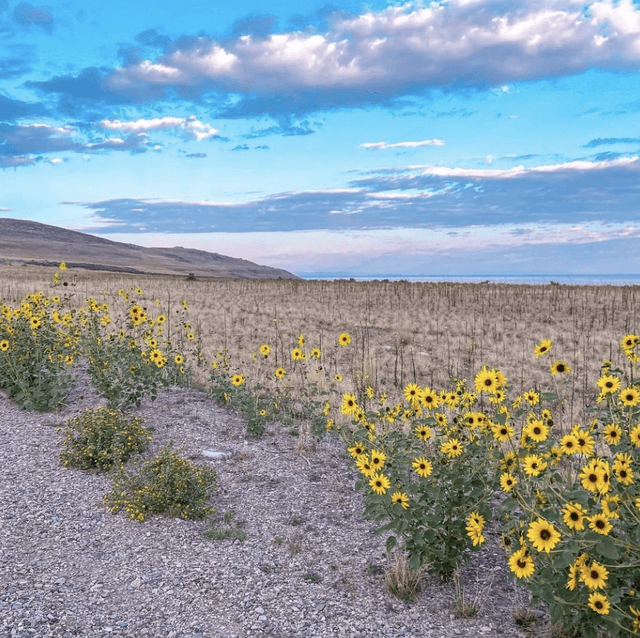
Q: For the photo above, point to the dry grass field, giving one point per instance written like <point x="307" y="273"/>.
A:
<point x="402" y="332"/>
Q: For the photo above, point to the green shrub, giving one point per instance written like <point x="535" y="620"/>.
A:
<point x="166" y="484"/>
<point x="102" y="438"/>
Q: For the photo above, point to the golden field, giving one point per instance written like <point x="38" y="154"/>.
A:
<point x="402" y="332"/>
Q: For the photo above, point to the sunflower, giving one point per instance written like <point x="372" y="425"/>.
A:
<point x="533" y="465"/>
<point x="264" y="349"/>
<point x="422" y="466"/>
<point x="572" y="582"/>
<point x="531" y="397"/>
<point x="356" y="450"/>
<point x="559" y="367"/>
<point x="521" y="563"/>
<point x="412" y="392"/>
<point x="280" y="373"/>
<point x="543" y="535"/>
<point x="451" y="448"/>
<point x="634" y="435"/>
<point x="502" y="433"/>
<point x="337" y="377"/>
<point x="178" y="359"/>
<point x="423" y="432"/>
<point x="349" y="404"/>
<point x="599" y="603"/>
<point x="629" y="342"/>
<point x="4" y="345"/>
<point x="400" y="498"/>
<point x="591" y="476"/>
<point x="474" y="532"/>
<point x="377" y="459"/>
<point x="364" y="465"/>
<point x="611" y="505"/>
<point x="35" y="323"/>
<point x="301" y="340"/>
<point x="344" y="339"/>
<point x="508" y="461"/>
<point x="297" y="354"/>
<point x="612" y="433"/>
<point x="190" y="336"/>
<point x="573" y="516"/>
<point x="629" y="397"/>
<point x="379" y="483"/>
<point x="600" y="523"/>
<point x="507" y="481"/>
<point x="624" y="474"/>
<point x="315" y="353"/>
<point x="608" y="384"/>
<point x="586" y="442"/>
<point x="537" y="431"/>
<point x="237" y="380"/>
<point x="155" y="356"/>
<point x="542" y="348"/>
<point x="441" y="419"/>
<point x="486" y="381"/>
<point x="430" y="398"/>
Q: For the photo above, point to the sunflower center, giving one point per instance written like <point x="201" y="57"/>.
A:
<point x="600" y="524"/>
<point x="545" y="535"/>
<point x="574" y="516"/>
<point x="594" y="574"/>
<point x="593" y="478"/>
<point x="488" y="382"/>
<point x="522" y="563"/>
<point x="599" y="604"/>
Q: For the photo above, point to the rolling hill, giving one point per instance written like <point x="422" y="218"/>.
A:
<point x="42" y="244"/>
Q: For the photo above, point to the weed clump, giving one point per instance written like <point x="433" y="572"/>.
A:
<point x="166" y="484"/>
<point x="103" y="439"/>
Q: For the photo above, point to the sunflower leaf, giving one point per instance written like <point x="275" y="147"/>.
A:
<point x="608" y="548"/>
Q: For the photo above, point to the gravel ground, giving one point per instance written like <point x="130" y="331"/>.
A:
<point x="310" y="565"/>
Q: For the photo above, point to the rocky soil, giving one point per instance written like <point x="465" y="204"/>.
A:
<point x="309" y="566"/>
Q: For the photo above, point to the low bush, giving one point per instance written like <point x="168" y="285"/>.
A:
<point x="166" y="484"/>
<point x="103" y="439"/>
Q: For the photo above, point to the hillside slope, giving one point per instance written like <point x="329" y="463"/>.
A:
<point x="28" y="241"/>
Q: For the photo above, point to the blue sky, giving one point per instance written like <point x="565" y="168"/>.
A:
<point x="450" y="137"/>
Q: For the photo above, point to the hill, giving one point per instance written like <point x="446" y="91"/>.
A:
<point x="42" y="244"/>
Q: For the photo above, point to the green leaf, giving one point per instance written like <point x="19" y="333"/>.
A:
<point x="549" y="396"/>
<point x="608" y="548"/>
<point x="385" y="528"/>
<point x="391" y="543"/>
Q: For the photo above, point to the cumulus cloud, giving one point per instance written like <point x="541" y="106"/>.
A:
<point x="192" y="127"/>
<point x="442" y="45"/>
<point x="18" y="142"/>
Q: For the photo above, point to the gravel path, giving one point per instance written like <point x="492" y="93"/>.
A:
<point x="310" y="565"/>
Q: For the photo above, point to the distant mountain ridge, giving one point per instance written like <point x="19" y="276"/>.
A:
<point x="38" y="243"/>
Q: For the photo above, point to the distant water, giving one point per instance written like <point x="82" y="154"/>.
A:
<point x="572" y="280"/>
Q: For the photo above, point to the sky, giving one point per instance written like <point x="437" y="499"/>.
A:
<point x="380" y="139"/>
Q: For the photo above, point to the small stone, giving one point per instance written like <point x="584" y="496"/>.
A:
<point x="136" y="583"/>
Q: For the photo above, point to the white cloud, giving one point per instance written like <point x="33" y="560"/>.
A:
<point x="56" y="160"/>
<point x="193" y="127"/>
<point x="517" y="171"/>
<point x="437" y="45"/>
<point x="384" y="145"/>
